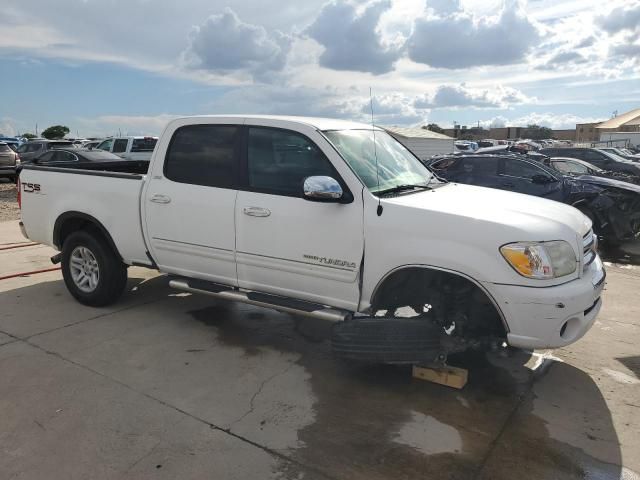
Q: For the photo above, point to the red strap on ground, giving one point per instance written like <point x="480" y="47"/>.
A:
<point x="26" y="274"/>
<point x="21" y="245"/>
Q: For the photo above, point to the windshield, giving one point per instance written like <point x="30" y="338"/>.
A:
<point x="615" y="157"/>
<point x="396" y="165"/>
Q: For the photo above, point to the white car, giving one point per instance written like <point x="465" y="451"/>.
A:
<point x="311" y="216"/>
<point x="129" y="148"/>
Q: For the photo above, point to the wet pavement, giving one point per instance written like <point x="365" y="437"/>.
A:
<point x="171" y="385"/>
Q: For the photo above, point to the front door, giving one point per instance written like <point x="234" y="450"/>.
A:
<point x="288" y="245"/>
<point x="189" y="204"/>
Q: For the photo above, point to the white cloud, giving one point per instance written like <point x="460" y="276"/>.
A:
<point x="456" y="39"/>
<point x="461" y="96"/>
<point x="226" y="44"/>
<point x="544" y="119"/>
<point x="350" y="37"/>
<point x="113" y="125"/>
<point x="623" y="17"/>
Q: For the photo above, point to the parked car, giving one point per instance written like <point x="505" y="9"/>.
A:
<point x="613" y="206"/>
<point x="276" y="212"/>
<point x="130" y="148"/>
<point x="573" y="166"/>
<point x="622" y="153"/>
<point x="9" y="162"/>
<point x="73" y="155"/>
<point x="33" y="148"/>
<point x="601" y="159"/>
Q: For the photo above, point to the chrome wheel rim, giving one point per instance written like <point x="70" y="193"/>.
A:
<point x="84" y="269"/>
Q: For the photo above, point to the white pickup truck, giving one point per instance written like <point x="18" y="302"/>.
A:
<point x="331" y="219"/>
<point x="129" y="148"/>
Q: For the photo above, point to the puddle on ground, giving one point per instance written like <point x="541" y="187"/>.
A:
<point x="377" y="422"/>
<point x="428" y="435"/>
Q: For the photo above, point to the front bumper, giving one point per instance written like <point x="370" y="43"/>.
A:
<point x="551" y="317"/>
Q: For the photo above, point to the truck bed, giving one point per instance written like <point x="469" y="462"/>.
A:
<point x="108" y="192"/>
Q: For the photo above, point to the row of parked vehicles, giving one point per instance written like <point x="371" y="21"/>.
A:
<point x="604" y="184"/>
<point x="41" y="151"/>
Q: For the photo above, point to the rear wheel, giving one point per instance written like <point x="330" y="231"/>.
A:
<point x="92" y="271"/>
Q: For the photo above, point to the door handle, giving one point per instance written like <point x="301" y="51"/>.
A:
<point x="160" y="199"/>
<point x="257" y="211"/>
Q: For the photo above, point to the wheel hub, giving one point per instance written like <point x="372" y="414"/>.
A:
<point x="84" y="268"/>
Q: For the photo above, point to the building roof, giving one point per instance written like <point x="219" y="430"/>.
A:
<point x="416" y="133"/>
<point x="629" y="118"/>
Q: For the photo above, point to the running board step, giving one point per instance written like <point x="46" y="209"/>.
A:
<point x="282" y="304"/>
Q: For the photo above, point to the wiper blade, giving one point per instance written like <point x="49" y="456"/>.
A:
<point x="404" y="188"/>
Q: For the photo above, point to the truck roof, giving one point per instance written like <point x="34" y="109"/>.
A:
<point x="316" y="122"/>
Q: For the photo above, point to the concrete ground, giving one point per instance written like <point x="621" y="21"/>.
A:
<point x="171" y="385"/>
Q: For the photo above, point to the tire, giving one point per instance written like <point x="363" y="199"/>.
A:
<point x="92" y="271"/>
<point x="386" y="340"/>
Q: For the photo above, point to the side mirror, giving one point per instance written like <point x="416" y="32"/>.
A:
<point x="541" y="179"/>
<point x="322" y="189"/>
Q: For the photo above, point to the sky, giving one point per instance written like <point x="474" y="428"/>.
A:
<point x="105" y="67"/>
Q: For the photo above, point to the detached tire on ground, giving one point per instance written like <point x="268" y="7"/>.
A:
<point x="386" y="340"/>
<point x="92" y="271"/>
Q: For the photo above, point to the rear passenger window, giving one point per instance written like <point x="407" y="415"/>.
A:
<point x="280" y="160"/>
<point x="203" y="155"/>
<point x="120" y="145"/>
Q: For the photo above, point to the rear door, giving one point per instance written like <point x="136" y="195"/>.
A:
<point x="288" y="245"/>
<point x="190" y="199"/>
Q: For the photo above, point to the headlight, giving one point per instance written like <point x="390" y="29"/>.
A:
<point x="541" y="260"/>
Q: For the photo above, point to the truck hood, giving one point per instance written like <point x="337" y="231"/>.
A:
<point x="532" y="215"/>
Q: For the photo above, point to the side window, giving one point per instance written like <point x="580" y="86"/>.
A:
<point x="106" y="145"/>
<point x="23" y="148"/>
<point x="203" y="155"/>
<point x="62" y="156"/>
<point x="46" y="157"/>
<point x="280" y="160"/>
<point x="120" y="145"/>
<point x="34" y="147"/>
<point x="520" y="169"/>
<point x="574" y="167"/>
<point x="480" y="166"/>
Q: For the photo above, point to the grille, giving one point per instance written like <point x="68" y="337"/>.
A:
<point x="589" y="248"/>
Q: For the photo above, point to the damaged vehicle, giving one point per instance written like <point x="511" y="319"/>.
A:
<point x="328" y="219"/>
<point x="575" y="167"/>
<point x="613" y="206"/>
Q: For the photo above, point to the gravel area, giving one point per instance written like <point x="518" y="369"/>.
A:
<point x="8" y="204"/>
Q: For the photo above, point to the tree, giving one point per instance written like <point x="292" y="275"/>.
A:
<point x="55" y="132"/>
<point x="434" y="127"/>
<point x="536" y="132"/>
<point x="29" y="136"/>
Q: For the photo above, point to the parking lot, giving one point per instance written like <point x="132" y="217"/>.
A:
<point x="172" y="385"/>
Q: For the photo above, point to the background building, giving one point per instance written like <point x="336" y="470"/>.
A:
<point x="423" y="143"/>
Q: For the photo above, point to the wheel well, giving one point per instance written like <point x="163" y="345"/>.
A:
<point x="70" y="222"/>
<point x="446" y="295"/>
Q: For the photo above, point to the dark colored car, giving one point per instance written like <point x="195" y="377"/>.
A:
<point x="72" y="157"/>
<point x="35" y="148"/>
<point x="575" y="167"/>
<point x="9" y="162"/>
<point x="612" y="205"/>
<point x="601" y="159"/>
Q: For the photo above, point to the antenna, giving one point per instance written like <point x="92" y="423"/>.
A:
<point x="375" y="152"/>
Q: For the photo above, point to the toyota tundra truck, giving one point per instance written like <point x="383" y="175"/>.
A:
<point x="329" y="219"/>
